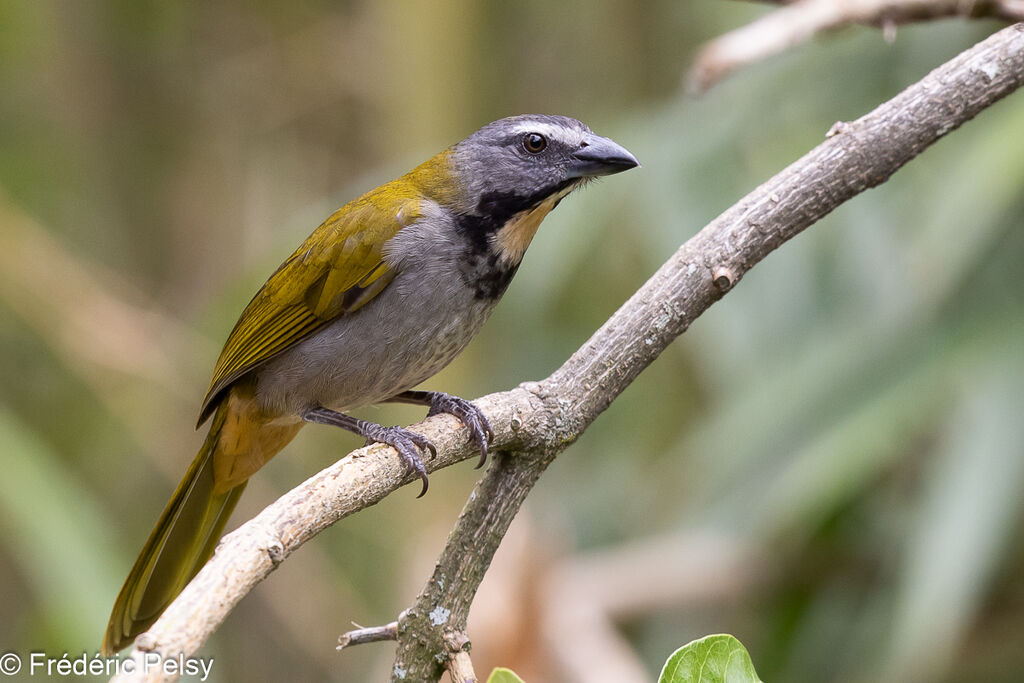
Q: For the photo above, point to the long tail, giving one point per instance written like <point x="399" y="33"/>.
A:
<point x="179" y="545"/>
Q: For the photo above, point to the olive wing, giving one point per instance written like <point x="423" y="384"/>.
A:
<point x="338" y="269"/>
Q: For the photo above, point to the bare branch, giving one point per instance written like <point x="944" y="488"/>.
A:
<point x="798" y="22"/>
<point x="445" y="601"/>
<point x="460" y="666"/>
<point x="368" y="634"/>
<point x="854" y="157"/>
<point x="535" y="421"/>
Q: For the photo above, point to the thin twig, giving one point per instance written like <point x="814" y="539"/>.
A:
<point x="798" y="22"/>
<point x="539" y="419"/>
<point x="460" y="666"/>
<point x="368" y="634"/>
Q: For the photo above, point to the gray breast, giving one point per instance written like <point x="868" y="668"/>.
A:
<point x="406" y="334"/>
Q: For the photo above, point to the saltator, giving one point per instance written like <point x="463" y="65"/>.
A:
<point x="383" y="295"/>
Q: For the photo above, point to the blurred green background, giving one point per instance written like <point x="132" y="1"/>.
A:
<point x="827" y="465"/>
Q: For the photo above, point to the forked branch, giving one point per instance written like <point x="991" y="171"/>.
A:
<point x="536" y="421"/>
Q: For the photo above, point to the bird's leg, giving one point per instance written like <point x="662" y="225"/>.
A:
<point x="402" y="440"/>
<point x="479" y="428"/>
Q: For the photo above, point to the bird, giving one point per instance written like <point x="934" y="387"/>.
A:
<point x="385" y="293"/>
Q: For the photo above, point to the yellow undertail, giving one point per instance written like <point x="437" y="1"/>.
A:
<point x="238" y="444"/>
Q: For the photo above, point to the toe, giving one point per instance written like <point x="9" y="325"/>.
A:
<point x="421" y="472"/>
<point x="424" y="443"/>
<point x="483" y="455"/>
<point x="406" y="448"/>
<point x="408" y="444"/>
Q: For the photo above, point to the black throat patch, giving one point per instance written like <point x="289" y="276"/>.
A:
<point x="482" y="269"/>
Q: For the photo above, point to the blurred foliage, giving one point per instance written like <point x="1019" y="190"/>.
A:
<point x="853" y="408"/>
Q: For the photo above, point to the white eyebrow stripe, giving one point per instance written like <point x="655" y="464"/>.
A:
<point x="570" y="136"/>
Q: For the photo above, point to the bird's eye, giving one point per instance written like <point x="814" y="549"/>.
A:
<point x="534" y="143"/>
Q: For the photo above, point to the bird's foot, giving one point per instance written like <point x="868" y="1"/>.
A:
<point x="480" y="431"/>
<point x="476" y="422"/>
<point x="406" y="442"/>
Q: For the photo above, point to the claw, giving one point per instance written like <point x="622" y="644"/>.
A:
<point x="412" y="460"/>
<point x="427" y="445"/>
<point x="421" y="472"/>
<point x="406" y="443"/>
<point x="488" y="437"/>
<point x="480" y="430"/>
<point x="402" y="440"/>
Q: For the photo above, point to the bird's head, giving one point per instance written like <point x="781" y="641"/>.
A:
<point x="500" y="182"/>
<point x="516" y="163"/>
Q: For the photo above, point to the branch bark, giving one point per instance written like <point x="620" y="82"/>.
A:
<point x="371" y="634"/>
<point x="800" y="21"/>
<point x="537" y="420"/>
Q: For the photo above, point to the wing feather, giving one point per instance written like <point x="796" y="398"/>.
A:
<point x="339" y="268"/>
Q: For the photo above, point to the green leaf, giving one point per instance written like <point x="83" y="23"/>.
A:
<point x="711" y="659"/>
<point x="503" y="675"/>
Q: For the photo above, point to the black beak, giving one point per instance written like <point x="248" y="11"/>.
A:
<point x="600" y="156"/>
